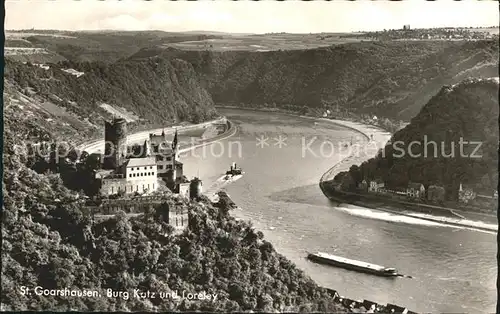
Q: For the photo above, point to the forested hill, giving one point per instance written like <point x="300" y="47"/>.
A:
<point x="468" y="111"/>
<point x="49" y="241"/>
<point x="147" y="92"/>
<point x="392" y="79"/>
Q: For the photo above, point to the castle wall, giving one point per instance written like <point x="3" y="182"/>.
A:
<point x="179" y="220"/>
<point x="144" y="185"/>
<point x="112" y="186"/>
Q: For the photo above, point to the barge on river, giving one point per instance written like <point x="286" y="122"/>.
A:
<point x="324" y="258"/>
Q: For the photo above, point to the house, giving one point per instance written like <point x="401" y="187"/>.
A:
<point x="164" y="152"/>
<point x="415" y="190"/>
<point x="376" y="185"/>
<point x="370" y="306"/>
<point x="333" y="293"/>
<point x="349" y="303"/>
<point x="465" y="194"/>
<point x="170" y="169"/>
<point x="435" y="193"/>
<point x="391" y="308"/>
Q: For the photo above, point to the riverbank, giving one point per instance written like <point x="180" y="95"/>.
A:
<point x="375" y="139"/>
<point x="230" y="131"/>
<point x="353" y="118"/>
<point x="437" y="214"/>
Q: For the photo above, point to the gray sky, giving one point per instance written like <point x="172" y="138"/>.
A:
<point x="246" y="16"/>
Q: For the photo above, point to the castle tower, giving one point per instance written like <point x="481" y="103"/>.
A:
<point x="115" y="146"/>
<point x="146" y="148"/>
<point x="171" y="177"/>
<point x="195" y="188"/>
<point x="174" y="157"/>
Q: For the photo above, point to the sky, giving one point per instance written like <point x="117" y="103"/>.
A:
<point x="247" y="16"/>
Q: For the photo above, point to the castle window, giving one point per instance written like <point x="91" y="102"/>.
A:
<point x="132" y="169"/>
<point x="160" y="167"/>
<point x="151" y="167"/>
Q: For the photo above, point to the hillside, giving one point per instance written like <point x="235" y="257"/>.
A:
<point x="48" y="241"/>
<point x="468" y="111"/>
<point x="392" y="79"/>
<point x="148" y="92"/>
<point x="216" y="255"/>
<point x="102" y="46"/>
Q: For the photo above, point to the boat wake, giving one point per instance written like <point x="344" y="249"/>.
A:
<point x="381" y="215"/>
<point x="419" y="219"/>
<point x="469" y="224"/>
<point x="220" y="183"/>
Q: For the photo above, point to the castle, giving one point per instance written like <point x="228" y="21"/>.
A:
<point x="140" y="169"/>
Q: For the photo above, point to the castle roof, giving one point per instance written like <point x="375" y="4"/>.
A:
<point x="138" y="162"/>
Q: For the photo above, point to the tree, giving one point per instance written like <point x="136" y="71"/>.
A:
<point x="356" y="174"/>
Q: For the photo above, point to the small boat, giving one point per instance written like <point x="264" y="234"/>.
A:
<point x="234" y="170"/>
<point x="324" y="258"/>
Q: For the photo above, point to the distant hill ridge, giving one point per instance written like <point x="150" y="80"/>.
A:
<point x="393" y="79"/>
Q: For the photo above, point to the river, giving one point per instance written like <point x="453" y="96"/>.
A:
<point x="454" y="269"/>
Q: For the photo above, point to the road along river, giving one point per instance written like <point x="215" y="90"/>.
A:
<point x="283" y="158"/>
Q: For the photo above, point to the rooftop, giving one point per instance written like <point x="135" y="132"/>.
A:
<point x="138" y="162"/>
